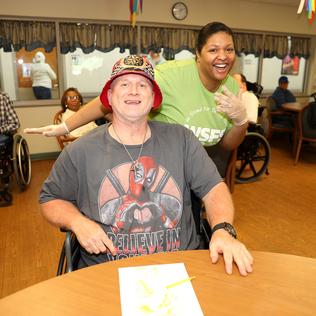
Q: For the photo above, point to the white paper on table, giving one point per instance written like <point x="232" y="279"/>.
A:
<point x="144" y="291"/>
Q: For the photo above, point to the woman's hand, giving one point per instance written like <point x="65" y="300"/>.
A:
<point x="49" y="130"/>
<point x="232" y="106"/>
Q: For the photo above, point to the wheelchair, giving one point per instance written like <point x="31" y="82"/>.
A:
<point x="253" y="154"/>
<point x="70" y="252"/>
<point x="14" y="159"/>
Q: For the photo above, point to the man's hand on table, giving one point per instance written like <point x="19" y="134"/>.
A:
<point x="232" y="250"/>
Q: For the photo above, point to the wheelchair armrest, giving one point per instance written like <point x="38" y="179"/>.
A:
<point x="206" y="231"/>
<point x="70" y="253"/>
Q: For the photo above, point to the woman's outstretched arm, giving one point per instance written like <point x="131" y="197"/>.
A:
<point x="90" y="112"/>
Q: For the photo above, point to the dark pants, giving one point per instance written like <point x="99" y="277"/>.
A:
<point x="42" y="92"/>
<point x="6" y="146"/>
<point x="220" y="157"/>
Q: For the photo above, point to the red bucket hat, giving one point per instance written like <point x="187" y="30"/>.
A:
<point x="132" y="64"/>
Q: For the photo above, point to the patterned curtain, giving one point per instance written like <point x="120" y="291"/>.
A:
<point x="248" y="43"/>
<point x="102" y="37"/>
<point x="170" y="39"/>
<point x="300" y="47"/>
<point x="28" y="34"/>
<point x="275" y="46"/>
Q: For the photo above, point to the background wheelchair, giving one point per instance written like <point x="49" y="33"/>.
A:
<point x="253" y="154"/>
<point x="14" y="159"/>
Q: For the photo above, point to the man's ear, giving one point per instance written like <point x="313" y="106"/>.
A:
<point x="109" y="95"/>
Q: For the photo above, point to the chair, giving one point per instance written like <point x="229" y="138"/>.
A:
<point x="306" y="128"/>
<point x="70" y="254"/>
<point x="64" y="139"/>
<point x="280" y="127"/>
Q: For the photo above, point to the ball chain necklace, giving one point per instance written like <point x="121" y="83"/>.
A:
<point x="136" y="165"/>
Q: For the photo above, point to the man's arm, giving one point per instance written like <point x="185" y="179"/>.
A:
<point x="219" y="208"/>
<point x="90" y="235"/>
<point x="90" y="112"/>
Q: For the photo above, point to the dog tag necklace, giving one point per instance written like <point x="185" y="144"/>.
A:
<point x="136" y="166"/>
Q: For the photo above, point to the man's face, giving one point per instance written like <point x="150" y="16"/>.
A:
<point x="217" y="56"/>
<point x="284" y="85"/>
<point x="131" y="97"/>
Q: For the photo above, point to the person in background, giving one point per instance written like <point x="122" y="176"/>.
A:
<point x="42" y="75"/>
<point x="9" y="121"/>
<point x="198" y="93"/>
<point x="124" y="188"/>
<point x="282" y="94"/>
<point x="249" y="99"/>
<point x="71" y="102"/>
<point x="155" y="58"/>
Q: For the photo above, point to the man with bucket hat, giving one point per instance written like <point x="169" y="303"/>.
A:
<point x="124" y="188"/>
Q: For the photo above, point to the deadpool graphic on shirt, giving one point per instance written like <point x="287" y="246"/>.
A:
<point x="141" y="206"/>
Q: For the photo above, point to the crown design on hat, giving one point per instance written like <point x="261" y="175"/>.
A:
<point x="134" y="63"/>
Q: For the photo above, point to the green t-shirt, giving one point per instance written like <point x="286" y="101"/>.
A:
<point x="187" y="102"/>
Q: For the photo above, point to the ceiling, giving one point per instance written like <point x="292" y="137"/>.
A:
<point x="290" y="3"/>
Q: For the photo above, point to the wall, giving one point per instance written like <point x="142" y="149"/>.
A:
<point x="237" y="14"/>
<point x="36" y="117"/>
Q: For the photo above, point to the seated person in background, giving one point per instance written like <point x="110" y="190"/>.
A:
<point x="71" y="102"/>
<point x="9" y="121"/>
<point x="124" y="189"/>
<point x="155" y="58"/>
<point x="282" y="94"/>
<point x="249" y="99"/>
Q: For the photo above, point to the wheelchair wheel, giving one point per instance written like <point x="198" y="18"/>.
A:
<point x="253" y="156"/>
<point x="21" y="162"/>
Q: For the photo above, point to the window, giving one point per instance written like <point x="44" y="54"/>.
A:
<point x="292" y="65"/>
<point x="248" y="65"/>
<point x="88" y="52"/>
<point x="272" y="70"/>
<point x="89" y="72"/>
